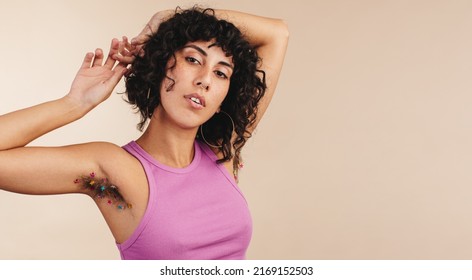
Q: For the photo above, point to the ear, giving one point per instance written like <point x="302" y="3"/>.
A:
<point x="218" y="110"/>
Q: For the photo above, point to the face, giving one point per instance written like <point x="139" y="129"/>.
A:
<point x="201" y="79"/>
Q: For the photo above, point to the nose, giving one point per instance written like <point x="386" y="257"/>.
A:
<point x="203" y="80"/>
<point x="203" y="86"/>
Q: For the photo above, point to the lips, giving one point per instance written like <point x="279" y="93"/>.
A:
<point x="196" y="100"/>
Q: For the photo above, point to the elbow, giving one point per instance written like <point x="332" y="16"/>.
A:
<point x="282" y="29"/>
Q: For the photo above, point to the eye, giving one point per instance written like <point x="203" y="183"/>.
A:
<point x="221" y="74"/>
<point x="192" y="60"/>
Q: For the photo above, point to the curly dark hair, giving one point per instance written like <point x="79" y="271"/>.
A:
<point x="247" y="83"/>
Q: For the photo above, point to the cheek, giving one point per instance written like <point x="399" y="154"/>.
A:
<point x="222" y="90"/>
<point x="176" y="76"/>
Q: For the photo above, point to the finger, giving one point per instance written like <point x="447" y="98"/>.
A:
<point x="126" y="43"/>
<point x="118" y="73"/>
<point x="111" y="54"/>
<point x="125" y="53"/>
<point x="124" y="59"/>
<point x="87" y="60"/>
<point x="134" y="50"/>
<point x="98" y="58"/>
<point x="121" y="48"/>
<point x="129" y="49"/>
<point x="138" y="51"/>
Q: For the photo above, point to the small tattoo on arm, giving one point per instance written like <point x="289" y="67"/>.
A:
<point x="101" y="188"/>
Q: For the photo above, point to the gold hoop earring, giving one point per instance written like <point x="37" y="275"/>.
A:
<point x="203" y="136"/>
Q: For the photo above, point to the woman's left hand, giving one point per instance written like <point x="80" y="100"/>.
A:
<point x="129" y="50"/>
<point x="126" y="51"/>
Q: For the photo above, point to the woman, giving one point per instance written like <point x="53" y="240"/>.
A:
<point x="203" y="86"/>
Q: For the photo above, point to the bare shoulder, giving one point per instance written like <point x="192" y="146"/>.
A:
<point x="109" y="156"/>
<point x="103" y="148"/>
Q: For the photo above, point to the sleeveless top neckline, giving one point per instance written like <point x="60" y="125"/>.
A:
<point x="195" y="212"/>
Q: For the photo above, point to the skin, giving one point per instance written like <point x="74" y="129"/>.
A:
<point x="175" y="115"/>
<point x="169" y="137"/>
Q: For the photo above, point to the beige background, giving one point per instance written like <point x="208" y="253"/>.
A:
<point x="364" y="154"/>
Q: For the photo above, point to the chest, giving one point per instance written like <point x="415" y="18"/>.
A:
<point x="195" y="216"/>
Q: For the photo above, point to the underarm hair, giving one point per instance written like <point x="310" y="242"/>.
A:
<point x="102" y="189"/>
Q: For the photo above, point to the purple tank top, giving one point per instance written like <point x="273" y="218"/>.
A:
<point x="196" y="212"/>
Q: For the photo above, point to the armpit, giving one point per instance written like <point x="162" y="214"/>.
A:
<point x="102" y="189"/>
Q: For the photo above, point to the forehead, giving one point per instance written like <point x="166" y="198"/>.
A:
<point x="208" y="48"/>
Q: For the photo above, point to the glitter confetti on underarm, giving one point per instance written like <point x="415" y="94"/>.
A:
<point x="101" y="188"/>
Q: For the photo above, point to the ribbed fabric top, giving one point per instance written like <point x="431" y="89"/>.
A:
<point x="196" y="212"/>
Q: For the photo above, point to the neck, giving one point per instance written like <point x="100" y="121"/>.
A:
<point x="168" y="143"/>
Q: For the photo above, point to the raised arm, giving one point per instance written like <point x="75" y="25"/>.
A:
<point x="94" y="82"/>
<point x="38" y="170"/>
<point x="270" y="37"/>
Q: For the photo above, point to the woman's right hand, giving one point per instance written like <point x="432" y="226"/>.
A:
<point x="96" y="80"/>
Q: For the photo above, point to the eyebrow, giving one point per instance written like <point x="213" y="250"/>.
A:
<point x="200" y="50"/>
